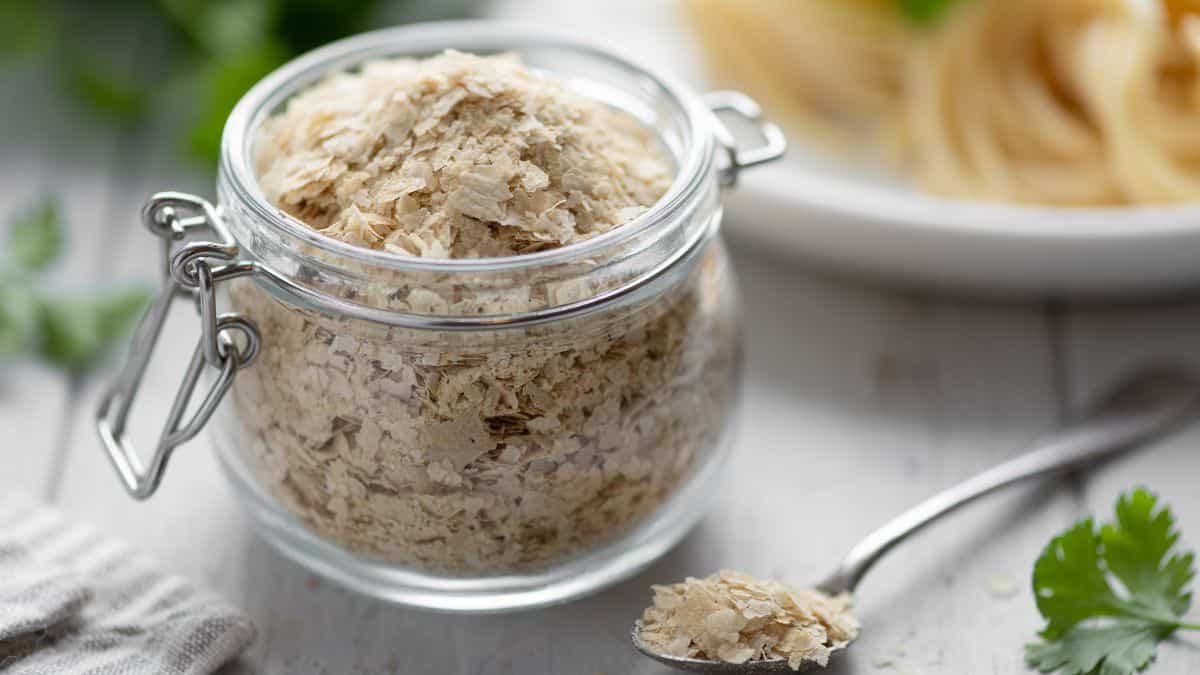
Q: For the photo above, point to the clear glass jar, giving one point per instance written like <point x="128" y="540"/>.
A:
<point x="463" y="434"/>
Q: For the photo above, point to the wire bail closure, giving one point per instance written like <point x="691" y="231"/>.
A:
<point x="191" y="270"/>
<point x="774" y="143"/>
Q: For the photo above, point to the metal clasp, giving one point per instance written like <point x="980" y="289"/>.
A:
<point x="774" y="143"/>
<point x="191" y="270"/>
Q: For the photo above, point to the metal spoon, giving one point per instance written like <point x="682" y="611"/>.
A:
<point x="1139" y="409"/>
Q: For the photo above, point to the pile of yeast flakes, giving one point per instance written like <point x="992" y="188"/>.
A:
<point x="457" y="156"/>
<point x="734" y="617"/>
<point x="476" y="452"/>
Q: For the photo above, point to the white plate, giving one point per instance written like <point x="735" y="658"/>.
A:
<point x="855" y="218"/>
<point x="806" y="207"/>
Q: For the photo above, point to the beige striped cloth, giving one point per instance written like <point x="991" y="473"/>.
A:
<point x="75" y="603"/>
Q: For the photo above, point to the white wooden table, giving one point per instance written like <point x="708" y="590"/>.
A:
<point x="860" y="400"/>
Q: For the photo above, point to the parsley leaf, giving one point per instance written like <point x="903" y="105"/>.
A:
<point x="1110" y="595"/>
<point x="1070" y="582"/>
<point x="1136" y="549"/>
<point x="1127" y="646"/>
<point x="35" y="237"/>
<point x="925" y="11"/>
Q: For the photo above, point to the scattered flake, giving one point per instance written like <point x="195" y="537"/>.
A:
<point x="882" y="661"/>
<point x="495" y="451"/>
<point x="1002" y="586"/>
<point x="458" y="156"/>
<point x="736" y="618"/>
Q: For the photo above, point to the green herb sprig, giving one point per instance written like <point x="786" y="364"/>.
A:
<point x="206" y="53"/>
<point x="73" y="331"/>
<point x="1111" y="594"/>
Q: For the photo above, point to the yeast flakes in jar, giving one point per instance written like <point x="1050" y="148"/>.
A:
<point x="497" y="346"/>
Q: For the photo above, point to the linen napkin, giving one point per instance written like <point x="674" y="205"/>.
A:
<point x="73" y="602"/>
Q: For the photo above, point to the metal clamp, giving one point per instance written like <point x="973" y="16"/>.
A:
<point x="774" y="143"/>
<point x="191" y="269"/>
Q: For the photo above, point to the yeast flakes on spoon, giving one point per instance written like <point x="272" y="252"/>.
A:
<point x="736" y="618"/>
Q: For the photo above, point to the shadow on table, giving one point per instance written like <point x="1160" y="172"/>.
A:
<point x="239" y="666"/>
<point x="862" y="347"/>
<point x="587" y="636"/>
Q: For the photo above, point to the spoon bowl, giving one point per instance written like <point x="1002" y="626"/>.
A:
<point x="690" y="665"/>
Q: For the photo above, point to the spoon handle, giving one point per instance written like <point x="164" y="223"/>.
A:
<point x="1140" y="409"/>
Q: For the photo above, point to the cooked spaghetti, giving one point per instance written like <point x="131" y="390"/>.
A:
<point x="1068" y="102"/>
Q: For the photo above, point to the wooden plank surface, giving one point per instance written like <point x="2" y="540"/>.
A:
<point x="858" y="400"/>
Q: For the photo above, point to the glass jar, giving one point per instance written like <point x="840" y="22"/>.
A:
<point x="461" y="434"/>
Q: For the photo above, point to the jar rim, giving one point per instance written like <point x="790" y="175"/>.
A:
<point x="694" y="165"/>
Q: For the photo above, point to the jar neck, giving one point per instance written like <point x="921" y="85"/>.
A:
<point x="479" y="298"/>
<point x="334" y="276"/>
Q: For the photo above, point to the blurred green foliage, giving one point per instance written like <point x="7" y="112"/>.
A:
<point x="78" y="330"/>
<point x="74" y="330"/>
<point x="208" y="51"/>
<point x="924" y="11"/>
<point x="130" y="62"/>
<point x="35" y="239"/>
